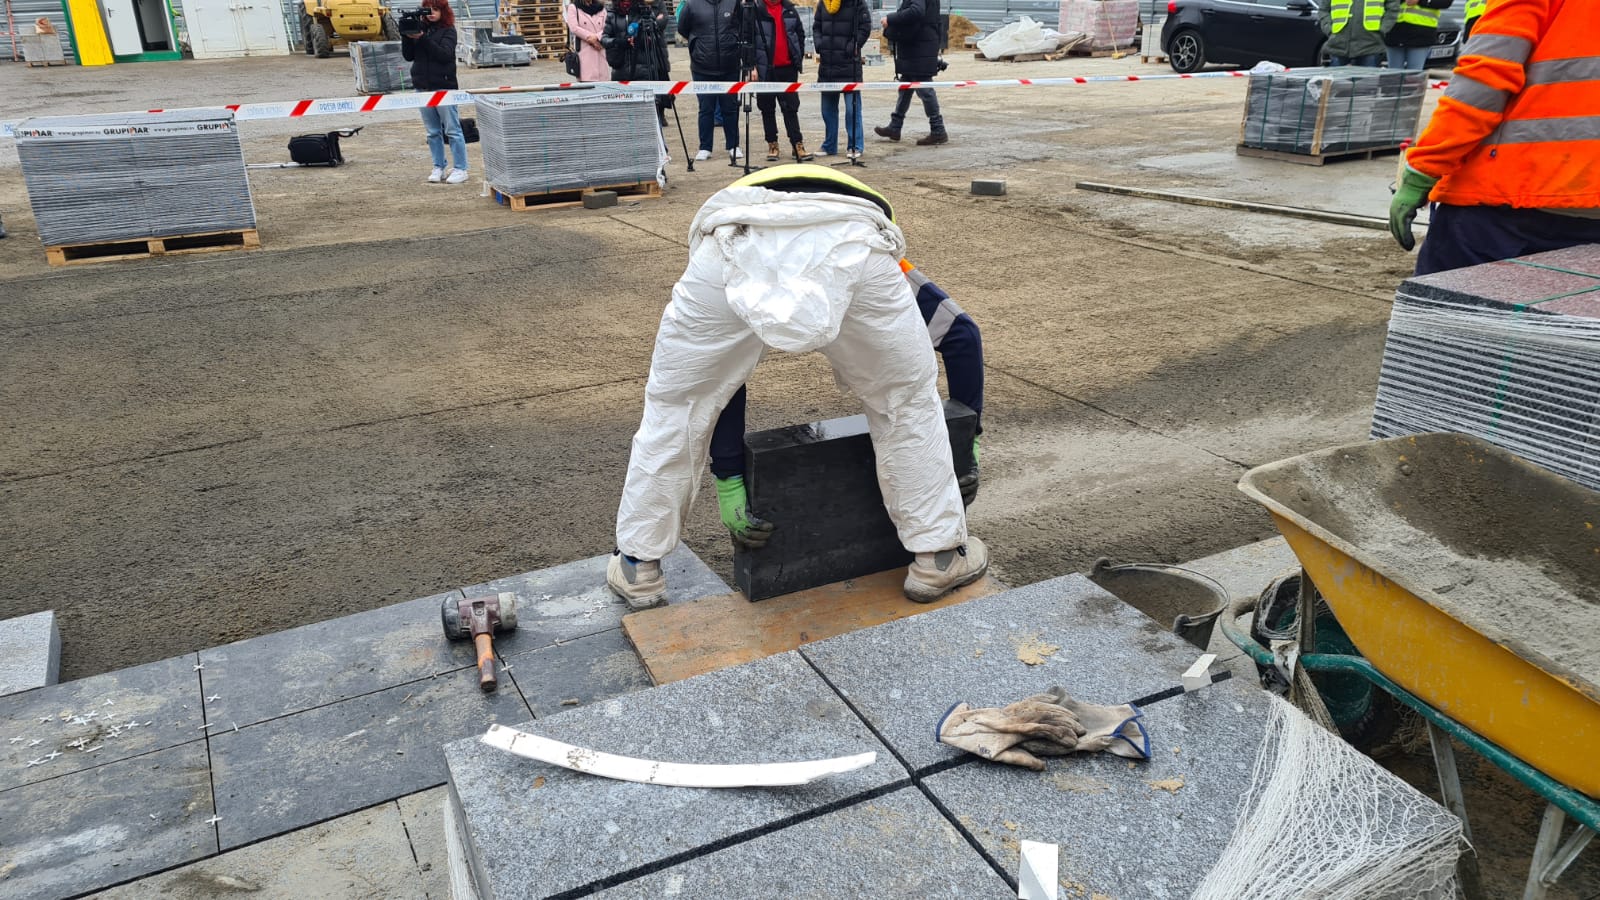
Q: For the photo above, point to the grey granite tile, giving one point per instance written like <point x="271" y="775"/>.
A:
<point x="365" y="854"/>
<point x="301" y="668"/>
<point x="75" y="718"/>
<point x="903" y="675"/>
<point x="422" y="814"/>
<point x="1126" y="829"/>
<point x="594" y="667"/>
<point x="569" y="601"/>
<point x="289" y="772"/>
<point x="30" y="652"/>
<point x="537" y="829"/>
<point x="888" y="847"/>
<point x="106" y="825"/>
<point x="1504" y="285"/>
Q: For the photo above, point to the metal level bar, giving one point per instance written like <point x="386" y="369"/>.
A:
<point x="1293" y="212"/>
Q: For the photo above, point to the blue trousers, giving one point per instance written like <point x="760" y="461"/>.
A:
<point x="853" y="122"/>
<point x="444" y="123"/>
<point x="1370" y="60"/>
<point x="1413" y="58"/>
<point x="1461" y="236"/>
<point x="711" y="104"/>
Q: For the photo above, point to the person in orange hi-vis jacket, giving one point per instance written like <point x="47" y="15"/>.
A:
<point x="1511" y="157"/>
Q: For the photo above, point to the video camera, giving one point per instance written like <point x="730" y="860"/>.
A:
<point x="413" y="21"/>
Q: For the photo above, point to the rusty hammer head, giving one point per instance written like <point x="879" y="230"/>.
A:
<point x="478" y="618"/>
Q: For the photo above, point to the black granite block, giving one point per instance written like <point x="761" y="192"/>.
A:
<point x="81" y="724"/>
<point x="95" y="828"/>
<point x="591" y="668"/>
<point x="297" y="770"/>
<point x="819" y="484"/>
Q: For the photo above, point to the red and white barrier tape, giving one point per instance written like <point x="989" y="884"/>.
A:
<point x="292" y="109"/>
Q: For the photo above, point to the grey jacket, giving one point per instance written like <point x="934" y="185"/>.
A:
<point x="1355" y="40"/>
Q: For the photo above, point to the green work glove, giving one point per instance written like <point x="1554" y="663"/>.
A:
<point x="968" y="483"/>
<point x="748" y="531"/>
<point x="1410" y="195"/>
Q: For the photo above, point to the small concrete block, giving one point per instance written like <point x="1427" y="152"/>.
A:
<point x="591" y="668"/>
<point x="1126" y="829"/>
<point x="30" y="652"/>
<point x="106" y="825"/>
<point x="422" y="814"/>
<point x="537" y="829"/>
<point x="364" y="854"/>
<point x="989" y="187"/>
<point x="1502" y="285"/>
<point x="569" y="601"/>
<point x="887" y="848"/>
<point x="996" y="650"/>
<point x="301" y="668"/>
<point x="599" y="199"/>
<point x="289" y="772"/>
<point x="825" y="536"/>
<point x="99" y="720"/>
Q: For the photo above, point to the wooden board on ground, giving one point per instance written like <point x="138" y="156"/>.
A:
<point x="563" y="199"/>
<point x="145" y="248"/>
<point x="687" y="639"/>
<point x="1112" y="52"/>
<point x="1312" y="159"/>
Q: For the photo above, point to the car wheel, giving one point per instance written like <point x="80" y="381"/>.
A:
<point x="1187" y="52"/>
<point x="320" y="41"/>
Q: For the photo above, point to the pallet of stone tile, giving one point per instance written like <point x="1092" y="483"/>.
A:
<point x="1110" y="24"/>
<point x="146" y="248"/>
<point x="565" y="199"/>
<point x="1313" y="159"/>
<point x="476" y="46"/>
<point x="548" y="148"/>
<point x="379" y="67"/>
<point x="1330" y="112"/>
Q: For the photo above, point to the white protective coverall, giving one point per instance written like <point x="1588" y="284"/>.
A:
<point x="795" y="272"/>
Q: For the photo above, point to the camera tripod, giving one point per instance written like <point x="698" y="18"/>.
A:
<point x="749" y="46"/>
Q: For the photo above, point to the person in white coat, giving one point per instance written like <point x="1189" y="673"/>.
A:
<point x="794" y="258"/>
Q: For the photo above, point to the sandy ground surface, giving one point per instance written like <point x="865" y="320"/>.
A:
<point x="410" y="389"/>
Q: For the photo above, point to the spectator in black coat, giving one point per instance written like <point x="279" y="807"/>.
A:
<point x="432" y="53"/>
<point x="710" y="30"/>
<point x="840" y="28"/>
<point x="780" y="39"/>
<point x="914" y="30"/>
<point x="636" y="48"/>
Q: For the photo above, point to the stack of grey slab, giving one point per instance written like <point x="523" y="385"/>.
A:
<point x="30" y="652"/>
<point x="924" y="820"/>
<point x="476" y="45"/>
<point x="1332" y="110"/>
<point x="568" y="140"/>
<point x="380" y="69"/>
<point x="127" y="176"/>
<point x="1507" y="351"/>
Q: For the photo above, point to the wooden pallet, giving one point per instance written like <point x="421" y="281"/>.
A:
<point x="145" y="248"/>
<point x="1086" y="53"/>
<point x="1313" y="159"/>
<point x="46" y="63"/>
<point x="563" y="199"/>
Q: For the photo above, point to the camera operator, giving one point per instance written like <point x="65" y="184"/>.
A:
<point x="780" y="40"/>
<point x="709" y="28"/>
<point x="840" y="28"/>
<point x="432" y="52"/>
<point x="918" y="39"/>
<point x="635" y="47"/>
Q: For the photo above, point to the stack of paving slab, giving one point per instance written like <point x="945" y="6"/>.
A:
<point x="1108" y="23"/>
<point x="475" y="45"/>
<point x="1508" y="352"/>
<point x="127" y="176"/>
<point x="1332" y="110"/>
<point x="380" y="68"/>
<point x="924" y="820"/>
<point x="569" y="140"/>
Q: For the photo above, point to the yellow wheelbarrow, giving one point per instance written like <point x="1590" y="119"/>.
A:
<point x="1469" y="580"/>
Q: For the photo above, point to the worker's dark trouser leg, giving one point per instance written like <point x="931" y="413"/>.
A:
<point x="788" y="103"/>
<point x="930" y="105"/>
<point x="1461" y="236"/>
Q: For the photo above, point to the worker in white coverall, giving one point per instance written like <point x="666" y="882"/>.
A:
<point x="795" y="258"/>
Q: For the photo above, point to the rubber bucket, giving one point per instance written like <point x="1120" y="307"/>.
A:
<point x="1183" y="600"/>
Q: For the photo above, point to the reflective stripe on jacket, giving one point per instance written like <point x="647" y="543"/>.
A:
<point x="1520" y="123"/>
<point x="1371" y="15"/>
<point x="1411" y="13"/>
<point x="1474" y="9"/>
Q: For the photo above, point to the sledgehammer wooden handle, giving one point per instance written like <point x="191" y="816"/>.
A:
<point x="486" y="677"/>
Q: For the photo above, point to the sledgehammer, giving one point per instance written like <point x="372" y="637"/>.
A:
<point x="479" y="618"/>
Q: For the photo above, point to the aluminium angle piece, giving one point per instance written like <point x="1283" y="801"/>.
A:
<point x="649" y="771"/>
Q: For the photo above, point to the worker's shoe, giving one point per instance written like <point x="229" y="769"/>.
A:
<point x="735" y="154"/>
<point x="639" y="582"/>
<point x="456" y="176"/>
<point x="702" y="156"/>
<point x="938" y="137"/>
<point x="892" y="134"/>
<point x="772" y="151"/>
<point x="800" y="154"/>
<point x="436" y="176"/>
<point x="932" y="575"/>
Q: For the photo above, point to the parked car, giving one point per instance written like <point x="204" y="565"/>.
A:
<point x="1245" y="32"/>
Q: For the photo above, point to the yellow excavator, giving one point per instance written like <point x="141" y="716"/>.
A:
<point x="325" y="24"/>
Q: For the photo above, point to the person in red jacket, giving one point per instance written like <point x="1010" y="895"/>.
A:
<point x="1511" y="155"/>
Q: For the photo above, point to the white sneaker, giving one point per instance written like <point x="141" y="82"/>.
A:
<point x="736" y="154"/>
<point x="641" y="584"/>
<point x="436" y="176"/>
<point x="932" y="575"/>
<point x="824" y="153"/>
<point x="456" y="176"/>
<point x="702" y="156"/>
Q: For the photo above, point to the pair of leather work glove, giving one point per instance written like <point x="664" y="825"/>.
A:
<point x="1047" y="724"/>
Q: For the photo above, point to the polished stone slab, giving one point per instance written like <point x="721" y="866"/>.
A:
<point x="579" y="672"/>
<point x="30" y="652"/>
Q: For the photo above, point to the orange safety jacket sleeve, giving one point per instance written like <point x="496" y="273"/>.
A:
<point x="1492" y="70"/>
